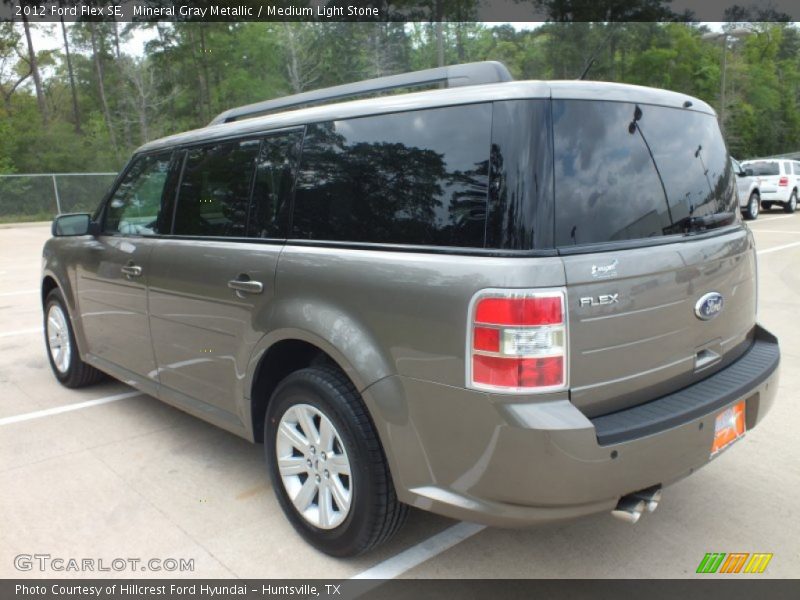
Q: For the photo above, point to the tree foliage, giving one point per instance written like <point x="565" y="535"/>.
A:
<point x="112" y="102"/>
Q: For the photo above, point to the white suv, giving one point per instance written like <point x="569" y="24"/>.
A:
<point x="780" y="180"/>
<point x="749" y="190"/>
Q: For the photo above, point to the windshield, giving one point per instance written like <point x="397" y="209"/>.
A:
<point x="628" y="171"/>
<point x="763" y="167"/>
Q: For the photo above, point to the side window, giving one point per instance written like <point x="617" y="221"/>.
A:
<point x="214" y="195"/>
<point x="418" y="177"/>
<point x="274" y="187"/>
<point x="134" y="207"/>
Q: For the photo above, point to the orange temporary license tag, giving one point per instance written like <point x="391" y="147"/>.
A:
<point x="728" y="427"/>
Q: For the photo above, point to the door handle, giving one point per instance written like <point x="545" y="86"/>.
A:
<point x="246" y="286"/>
<point x="132" y="271"/>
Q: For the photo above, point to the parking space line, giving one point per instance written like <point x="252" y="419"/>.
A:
<point x="777" y="231"/>
<point x="418" y="554"/>
<point x="21" y="332"/>
<point x="68" y="408"/>
<point x="19" y="293"/>
<point x="765" y="219"/>
<point x="776" y="248"/>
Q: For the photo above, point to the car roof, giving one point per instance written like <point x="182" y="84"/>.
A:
<point x="512" y="90"/>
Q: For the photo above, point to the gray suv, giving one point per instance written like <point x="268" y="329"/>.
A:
<point x="503" y="302"/>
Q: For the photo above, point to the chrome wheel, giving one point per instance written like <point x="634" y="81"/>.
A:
<point x="313" y="466"/>
<point x="58" y="338"/>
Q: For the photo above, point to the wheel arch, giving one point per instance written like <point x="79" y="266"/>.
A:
<point x="281" y="353"/>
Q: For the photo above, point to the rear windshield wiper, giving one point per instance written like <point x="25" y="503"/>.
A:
<point x="700" y="224"/>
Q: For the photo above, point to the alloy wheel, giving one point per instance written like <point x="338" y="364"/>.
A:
<point x="314" y="466"/>
<point x="58" y="341"/>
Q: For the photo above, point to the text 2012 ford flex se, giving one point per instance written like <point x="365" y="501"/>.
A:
<point x="504" y="302"/>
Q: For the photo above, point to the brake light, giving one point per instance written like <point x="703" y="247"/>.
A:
<point x="517" y="341"/>
<point x="783" y="181"/>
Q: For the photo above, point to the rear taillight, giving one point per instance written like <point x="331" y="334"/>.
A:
<point x="517" y="341"/>
<point x="783" y="181"/>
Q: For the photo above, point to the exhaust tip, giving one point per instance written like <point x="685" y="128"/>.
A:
<point x="629" y="509"/>
<point x="651" y="496"/>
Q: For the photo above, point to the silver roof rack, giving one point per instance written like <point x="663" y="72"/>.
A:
<point x="476" y="73"/>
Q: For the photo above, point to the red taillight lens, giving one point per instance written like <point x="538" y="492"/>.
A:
<point x="518" y="372"/>
<point x="518" y="341"/>
<point x="519" y="311"/>
<point x="783" y="181"/>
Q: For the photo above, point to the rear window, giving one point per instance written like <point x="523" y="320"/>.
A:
<point x="763" y="167"/>
<point x="628" y="171"/>
<point x="417" y="177"/>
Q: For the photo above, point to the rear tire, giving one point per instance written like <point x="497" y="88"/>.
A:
<point x="753" y="204"/>
<point x="791" y="205"/>
<point x="318" y="427"/>
<point x="62" y="351"/>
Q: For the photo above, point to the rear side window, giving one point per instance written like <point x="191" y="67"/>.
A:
<point x="214" y="195"/>
<point x="274" y="186"/>
<point x="764" y="167"/>
<point x="417" y="177"/>
<point x="625" y="171"/>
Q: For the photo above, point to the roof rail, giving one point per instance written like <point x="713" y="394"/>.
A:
<point x="476" y="73"/>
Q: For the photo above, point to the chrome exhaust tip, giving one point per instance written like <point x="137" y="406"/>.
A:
<point x="651" y="497"/>
<point x="629" y="509"/>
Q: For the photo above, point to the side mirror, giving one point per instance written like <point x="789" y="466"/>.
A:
<point x="73" y="225"/>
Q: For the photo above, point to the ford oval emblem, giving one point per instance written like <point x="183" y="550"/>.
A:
<point x="709" y="306"/>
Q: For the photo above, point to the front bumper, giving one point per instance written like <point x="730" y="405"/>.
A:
<point x="495" y="460"/>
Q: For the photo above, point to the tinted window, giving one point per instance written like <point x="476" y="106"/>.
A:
<point x="625" y="171"/>
<point x="763" y="167"/>
<point x="521" y="190"/>
<point x="135" y="205"/>
<point x="410" y="178"/>
<point x="274" y="187"/>
<point x="214" y="194"/>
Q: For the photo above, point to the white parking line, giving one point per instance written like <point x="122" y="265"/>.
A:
<point x="425" y="550"/>
<point x="765" y="219"/>
<point x="68" y="408"/>
<point x="777" y="231"/>
<point x="19" y="293"/>
<point x="776" y="248"/>
<point x="21" y="332"/>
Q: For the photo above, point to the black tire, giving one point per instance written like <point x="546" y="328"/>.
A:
<point x="77" y="373"/>
<point x="791" y="205"/>
<point x="375" y="513"/>
<point x="753" y="204"/>
<point x="766" y="205"/>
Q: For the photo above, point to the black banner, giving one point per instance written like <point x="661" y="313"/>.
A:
<point x="400" y="10"/>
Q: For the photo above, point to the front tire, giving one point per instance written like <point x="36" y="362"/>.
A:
<point x="62" y="351"/>
<point x="791" y="205"/>
<point x="327" y="465"/>
<point x="753" y="204"/>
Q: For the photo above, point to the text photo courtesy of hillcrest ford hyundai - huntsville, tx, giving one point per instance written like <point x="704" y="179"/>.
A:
<point x="449" y="320"/>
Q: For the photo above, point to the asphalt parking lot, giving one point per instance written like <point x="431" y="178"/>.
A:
<point x="89" y="474"/>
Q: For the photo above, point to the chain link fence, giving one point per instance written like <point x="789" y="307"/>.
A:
<point x="41" y="196"/>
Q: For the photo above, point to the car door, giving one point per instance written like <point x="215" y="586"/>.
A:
<point x="112" y="275"/>
<point x="211" y="281"/>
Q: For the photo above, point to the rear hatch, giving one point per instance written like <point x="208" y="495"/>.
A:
<point x="660" y="271"/>
<point x="768" y="173"/>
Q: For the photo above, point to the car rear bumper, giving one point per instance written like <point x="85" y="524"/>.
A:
<point x="778" y="196"/>
<point x="495" y="460"/>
